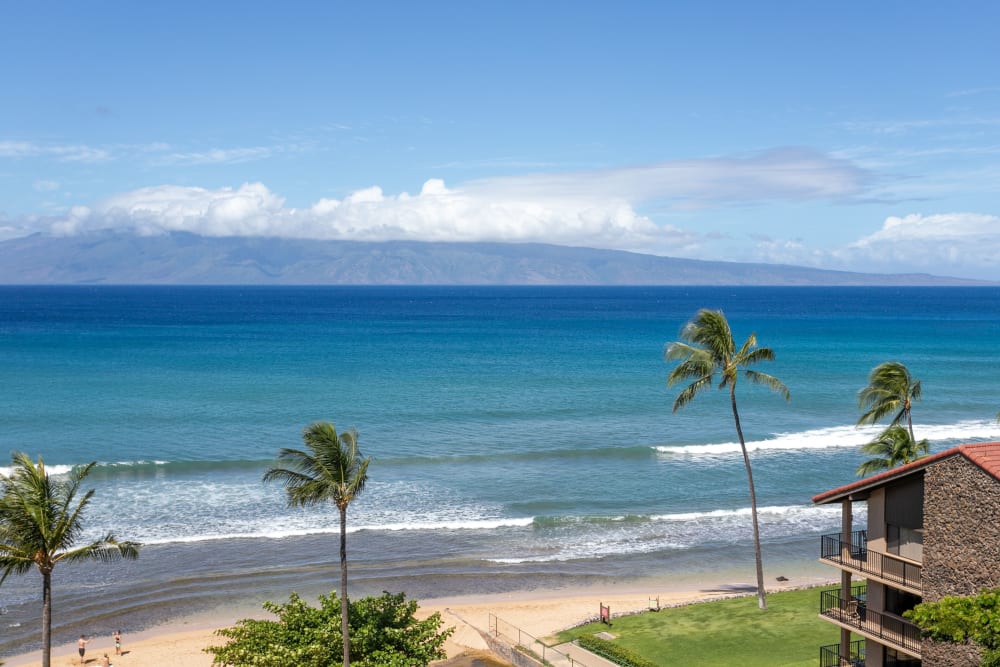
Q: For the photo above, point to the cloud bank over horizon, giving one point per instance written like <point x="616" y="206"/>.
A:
<point x="682" y="135"/>
<point x="597" y="208"/>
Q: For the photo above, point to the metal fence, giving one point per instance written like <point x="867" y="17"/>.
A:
<point x="829" y="656"/>
<point x="855" y="554"/>
<point x="889" y="630"/>
<point x="532" y="646"/>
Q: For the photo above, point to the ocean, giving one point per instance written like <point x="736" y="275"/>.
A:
<point x="522" y="437"/>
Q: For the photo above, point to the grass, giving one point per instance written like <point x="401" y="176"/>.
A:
<point x="726" y="632"/>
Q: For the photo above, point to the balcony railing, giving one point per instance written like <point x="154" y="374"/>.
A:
<point x="891" y="631"/>
<point x="856" y="556"/>
<point x="829" y="656"/>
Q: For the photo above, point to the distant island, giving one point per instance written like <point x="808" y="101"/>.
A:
<point x="181" y="258"/>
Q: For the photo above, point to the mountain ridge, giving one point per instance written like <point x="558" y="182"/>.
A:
<point x="182" y="258"/>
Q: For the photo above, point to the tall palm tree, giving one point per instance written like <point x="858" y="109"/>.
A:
<point x="332" y="470"/>
<point x="707" y="348"/>
<point x="891" y="391"/>
<point x="891" y="448"/>
<point x="40" y="525"/>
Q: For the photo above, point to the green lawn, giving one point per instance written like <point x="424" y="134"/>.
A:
<point x="727" y="633"/>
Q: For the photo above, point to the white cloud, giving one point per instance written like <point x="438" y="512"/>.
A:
<point x="219" y="156"/>
<point x="17" y="149"/>
<point x="153" y="152"/>
<point x="786" y="174"/>
<point x="596" y="208"/>
<point x="45" y="186"/>
<point x="937" y="243"/>
<point x="435" y="214"/>
<point x="246" y="211"/>
<point x="944" y="244"/>
<point x="61" y="152"/>
<point x="11" y="229"/>
<point x="899" y="127"/>
<point x="590" y="208"/>
<point x="941" y="227"/>
<point x="974" y="91"/>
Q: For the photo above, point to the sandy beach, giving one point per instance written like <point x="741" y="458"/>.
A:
<point x="538" y="613"/>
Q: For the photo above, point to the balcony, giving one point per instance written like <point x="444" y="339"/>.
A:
<point x="901" y="661"/>
<point x="885" y="568"/>
<point x="887" y="630"/>
<point x="829" y="656"/>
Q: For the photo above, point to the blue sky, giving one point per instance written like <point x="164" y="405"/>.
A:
<point x="848" y="135"/>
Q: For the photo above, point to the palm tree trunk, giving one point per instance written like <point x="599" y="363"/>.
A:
<point x="343" y="588"/>
<point x="46" y="619"/>
<point x="761" y="593"/>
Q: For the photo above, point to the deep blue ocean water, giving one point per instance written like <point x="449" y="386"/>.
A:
<point x="522" y="437"/>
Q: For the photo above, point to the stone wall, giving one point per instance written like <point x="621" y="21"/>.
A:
<point x="961" y="543"/>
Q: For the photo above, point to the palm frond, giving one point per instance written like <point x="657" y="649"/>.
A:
<point x="870" y="467"/>
<point x="923" y="448"/>
<point x="892" y="447"/>
<point x="692" y="390"/>
<point x="769" y="381"/>
<point x="106" y="550"/>
<point x="709" y="329"/>
<point x="332" y="470"/>
<point x="879" y="406"/>
<point x="891" y="391"/>
<point x="756" y="356"/>
<point x="41" y="519"/>
<point x="679" y="350"/>
<point x="747" y="349"/>
<point x="706" y="348"/>
<point x="694" y="367"/>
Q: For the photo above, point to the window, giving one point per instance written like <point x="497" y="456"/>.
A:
<point x="905" y="542"/>
<point x="894" y="658"/>
<point x="896" y="602"/>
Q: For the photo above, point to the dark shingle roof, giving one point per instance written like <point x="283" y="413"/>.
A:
<point x="986" y="455"/>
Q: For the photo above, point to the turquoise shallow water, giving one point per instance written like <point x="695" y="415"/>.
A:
<point x="522" y="437"/>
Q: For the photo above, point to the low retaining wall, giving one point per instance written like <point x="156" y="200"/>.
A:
<point x="507" y="651"/>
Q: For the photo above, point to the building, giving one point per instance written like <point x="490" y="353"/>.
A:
<point x="933" y="530"/>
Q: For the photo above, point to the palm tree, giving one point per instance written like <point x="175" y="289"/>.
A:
<point x="706" y="348"/>
<point x="40" y="525"/>
<point x="891" y="448"/>
<point x="332" y="470"/>
<point x="892" y="391"/>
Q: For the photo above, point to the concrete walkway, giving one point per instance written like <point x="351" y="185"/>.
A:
<point x="582" y="657"/>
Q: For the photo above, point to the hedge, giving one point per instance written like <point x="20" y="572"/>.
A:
<point x="613" y="652"/>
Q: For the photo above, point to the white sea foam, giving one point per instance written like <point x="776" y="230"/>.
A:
<point x="128" y="464"/>
<point x="481" y="524"/>
<point x="50" y="469"/>
<point x="842" y="436"/>
<point x="808" y="514"/>
<point x="63" y="469"/>
<point x="591" y="548"/>
<point x="679" y="531"/>
<point x="304" y="530"/>
<point x="613" y="535"/>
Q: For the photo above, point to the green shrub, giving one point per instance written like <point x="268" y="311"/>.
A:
<point x="613" y="652"/>
<point x="959" y="620"/>
<point x="384" y="632"/>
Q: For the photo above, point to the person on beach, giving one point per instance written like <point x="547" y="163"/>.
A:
<point x="81" y="645"/>
<point x="105" y="661"/>
<point x="118" y="641"/>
